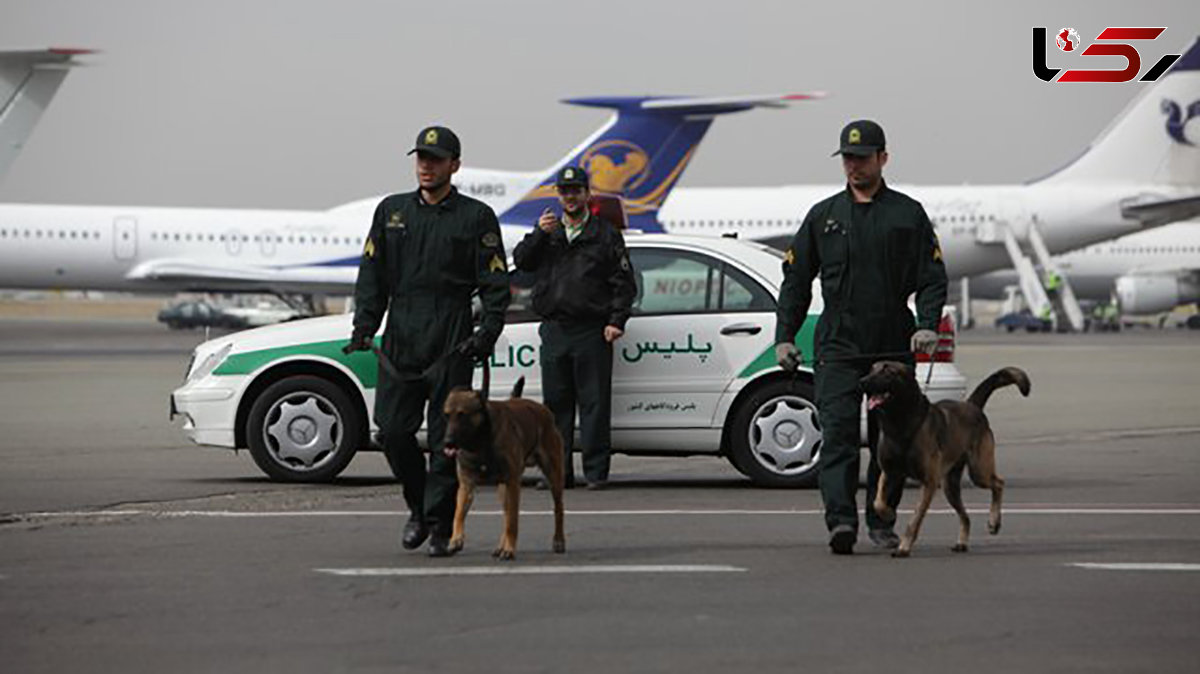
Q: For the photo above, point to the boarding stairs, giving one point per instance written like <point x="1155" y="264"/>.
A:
<point x="1061" y="305"/>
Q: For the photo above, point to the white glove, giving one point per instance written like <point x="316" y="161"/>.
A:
<point x="788" y="356"/>
<point x="924" y="341"/>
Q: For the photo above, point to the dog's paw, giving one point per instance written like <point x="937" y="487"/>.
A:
<point x="959" y="547"/>
<point x="560" y="546"/>
<point x="504" y="554"/>
<point x="994" y="529"/>
<point x="900" y="553"/>
<point x="456" y="544"/>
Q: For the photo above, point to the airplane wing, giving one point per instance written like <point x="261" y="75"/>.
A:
<point x="28" y="80"/>
<point x="759" y="101"/>
<point x="1155" y="212"/>
<point x="207" y="277"/>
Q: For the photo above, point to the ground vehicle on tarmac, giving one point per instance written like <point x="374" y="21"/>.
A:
<point x="694" y="374"/>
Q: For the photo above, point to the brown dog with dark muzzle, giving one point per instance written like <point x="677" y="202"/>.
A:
<point x="494" y="442"/>
<point x="933" y="443"/>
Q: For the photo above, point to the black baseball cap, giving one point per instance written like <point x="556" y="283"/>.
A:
<point x="571" y="175"/>
<point x="439" y="141"/>
<point x="862" y="137"/>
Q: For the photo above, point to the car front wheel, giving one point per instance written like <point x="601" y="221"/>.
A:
<point x="775" y="437"/>
<point x="303" y="429"/>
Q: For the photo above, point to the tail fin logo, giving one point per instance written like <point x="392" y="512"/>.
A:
<point x="616" y="166"/>
<point x="1177" y="119"/>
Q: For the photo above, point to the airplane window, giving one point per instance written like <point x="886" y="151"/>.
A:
<point x="61" y="235"/>
<point x="245" y="238"/>
<point x="325" y="240"/>
<point x="4" y="233"/>
<point x="279" y="239"/>
<point x="300" y="239"/>
<point x="291" y="239"/>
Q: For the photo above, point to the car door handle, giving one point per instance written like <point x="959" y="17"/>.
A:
<point x="741" y="329"/>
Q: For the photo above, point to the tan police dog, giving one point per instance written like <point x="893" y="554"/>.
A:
<point x="932" y="443"/>
<point x="493" y="441"/>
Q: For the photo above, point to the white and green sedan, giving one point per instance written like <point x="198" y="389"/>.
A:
<point x="694" y="374"/>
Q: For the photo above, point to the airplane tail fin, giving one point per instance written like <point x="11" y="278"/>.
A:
<point x="28" y="80"/>
<point x="1155" y="139"/>
<point x="642" y="151"/>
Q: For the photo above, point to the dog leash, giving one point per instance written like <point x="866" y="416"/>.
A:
<point x="887" y="355"/>
<point x="394" y="372"/>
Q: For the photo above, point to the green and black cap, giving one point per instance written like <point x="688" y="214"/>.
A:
<point x="862" y="137"/>
<point x="571" y="176"/>
<point x="439" y="141"/>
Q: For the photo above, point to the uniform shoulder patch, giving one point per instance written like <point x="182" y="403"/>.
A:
<point x="496" y="263"/>
<point x="789" y="257"/>
<point x="491" y="240"/>
<point x="396" y="220"/>
<point x="369" y="248"/>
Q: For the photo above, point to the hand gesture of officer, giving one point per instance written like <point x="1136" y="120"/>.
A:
<point x="549" y="221"/>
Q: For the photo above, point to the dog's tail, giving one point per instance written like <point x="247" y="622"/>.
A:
<point x="999" y="379"/>
<point x="518" y="388"/>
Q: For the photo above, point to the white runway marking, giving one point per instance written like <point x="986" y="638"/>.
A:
<point x="235" y="514"/>
<point x="532" y="570"/>
<point x="1138" y="566"/>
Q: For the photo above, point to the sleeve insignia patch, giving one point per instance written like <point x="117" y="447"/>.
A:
<point x="369" y="249"/>
<point x="491" y="240"/>
<point x="496" y="264"/>
<point x="789" y="257"/>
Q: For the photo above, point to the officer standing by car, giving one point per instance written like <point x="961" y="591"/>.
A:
<point x="584" y="292"/>
<point x="427" y="253"/>
<point x="873" y="247"/>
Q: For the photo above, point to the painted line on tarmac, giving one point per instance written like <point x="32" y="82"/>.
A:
<point x="532" y="570"/>
<point x="267" y="514"/>
<point x="1137" y="566"/>
<point x="1094" y="436"/>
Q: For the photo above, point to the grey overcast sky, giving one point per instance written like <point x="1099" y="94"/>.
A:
<point x="306" y="104"/>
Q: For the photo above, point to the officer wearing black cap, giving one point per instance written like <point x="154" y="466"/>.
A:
<point x="873" y="247"/>
<point x="427" y="253"/>
<point x="583" y="293"/>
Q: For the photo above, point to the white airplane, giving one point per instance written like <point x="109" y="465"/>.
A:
<point x="28" y="81"/>
<point x="1142" y="171"/>
<point x="1150" y="272"/>
<point x="640" y="153"/>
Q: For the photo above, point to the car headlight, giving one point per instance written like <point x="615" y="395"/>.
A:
<point x="210" y="363"/>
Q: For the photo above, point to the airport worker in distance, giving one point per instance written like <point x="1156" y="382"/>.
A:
<point x="873" y="247"/>
<point x="583" y="292"/>
<point x="427" y="252"/>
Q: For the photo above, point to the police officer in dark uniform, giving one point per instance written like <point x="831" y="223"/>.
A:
<point x="583" y="293"/>
<point x="427" y="253"/>
<point x="873" y="248"/>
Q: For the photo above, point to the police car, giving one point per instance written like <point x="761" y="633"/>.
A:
<point x="695" y="373"/>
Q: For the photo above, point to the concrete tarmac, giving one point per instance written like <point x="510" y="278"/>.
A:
<point x="125" y="548"/>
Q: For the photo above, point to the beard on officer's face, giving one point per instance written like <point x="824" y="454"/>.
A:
<point x="574" y="203"/>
